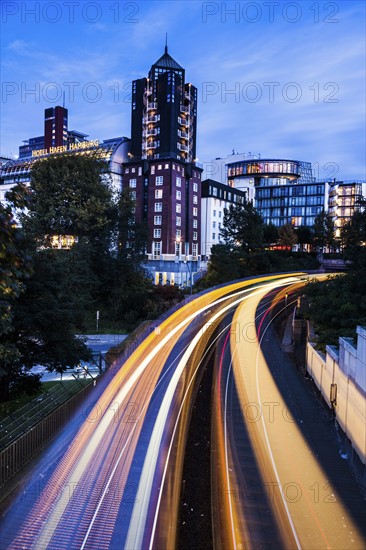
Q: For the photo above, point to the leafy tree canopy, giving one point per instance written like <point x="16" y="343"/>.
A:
<point x="243" y="227"/>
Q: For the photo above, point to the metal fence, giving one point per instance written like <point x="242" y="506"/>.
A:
<point x="27" y="445"/>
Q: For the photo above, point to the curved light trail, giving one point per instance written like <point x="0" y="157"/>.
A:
<point x="126" y="476"/>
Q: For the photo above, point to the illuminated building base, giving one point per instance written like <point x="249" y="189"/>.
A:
<point x="180" y="273"/>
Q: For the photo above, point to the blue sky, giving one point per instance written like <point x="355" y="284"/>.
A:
<point x="296" y="72"/>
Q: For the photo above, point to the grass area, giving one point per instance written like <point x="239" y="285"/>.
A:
<point x="10" y="407"/>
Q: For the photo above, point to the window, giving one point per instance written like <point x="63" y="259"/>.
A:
<point x="214" y="213"/>
<point x="159" y="180"/>
<point x="157" y="233"/>
<point x="156" y="248"/>
<point x="178" y="208"/>
<point x="133" y="195"/>
<point x="166" y="166"/>
<point x="179" y="220"/>
<point x="213" y="236"/>
<point x="194" y="249"/>
<point x="220" y="213"/>
<point x="214" y="225"/>
<point x="157" y="220"/>
<point x="194" y="235"/>
<point x="195" y="187"/>
<point x="133" y="183"/>
<point x="195" y="224"/>
<point x="140" y="171"/>
<point x="153" y="169"/>
<point x="195" y="199"/>
<point x="178" y="195"/>
<point x="158" y="207"/>
<point x="160" y="166"/>
<point x="158" y="193"/>
<point x="179" y="182"/>
<point x="178" y="233"/>
<point x="195" y="211"/>
<point x="127" y="171"/>
<point x="133" y="170"/>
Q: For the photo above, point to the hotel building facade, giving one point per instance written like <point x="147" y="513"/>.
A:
<point x="162" y="172"/>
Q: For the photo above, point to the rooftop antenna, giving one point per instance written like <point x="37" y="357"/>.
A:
<point x="166" y="42"/>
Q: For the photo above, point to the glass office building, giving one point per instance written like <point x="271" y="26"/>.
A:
<point x="284" y="191"/>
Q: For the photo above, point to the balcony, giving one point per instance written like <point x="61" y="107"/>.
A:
<point x="182" y="147"/>
<point x="152" y="106"/>
<point x="184" y="109"/>
<point x="152" y="118"/>
<point x="152" y="145"/>
<point x="182" y="135"/>
<point x="151" y="132"/>
<point x="183" y="121"/>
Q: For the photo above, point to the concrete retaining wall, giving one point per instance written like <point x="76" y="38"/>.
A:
<point x="340" y="376"/>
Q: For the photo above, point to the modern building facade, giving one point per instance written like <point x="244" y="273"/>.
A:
<point x="344" y="200"/>
<point x="216" y="197"/>
<point x="284" y="191"/>
<point x="162" y="172"/>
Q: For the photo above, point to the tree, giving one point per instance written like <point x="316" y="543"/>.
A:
<point x="70" y="195"/>
<point x="324" y="230"/>
<point x="243" y="227"/>
<point x="353" y="238"/>
<point x="15" y="269"/>
<point x="224" y="264"/>
<point x="270" y="234"/>
<point x="287" y="235"/>
<point x="304" y="235"/>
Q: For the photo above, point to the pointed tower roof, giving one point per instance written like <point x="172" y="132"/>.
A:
<point x="167" y="62"/>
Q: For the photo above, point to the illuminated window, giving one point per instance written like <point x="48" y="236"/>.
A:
<point x="195" y="187"/>
<point x="157" y="220"/>
<point x="158" y="193"/>
<point x="195" y="199"/>
<point x="158" y="207"/>
<point x="179" y="220"/>
<point x="194" y="235"/>
<point x="179" y="182"/>
<point x="133" y="183"/>
<point x="178" y="208"/>
<point x="178" y="195"/>
<point x="195" y="224"/>
<point x="195" y="211"/>
<point x="157" y="233"/>
<point x="159" y="180"/>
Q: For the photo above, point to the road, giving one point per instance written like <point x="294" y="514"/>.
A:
<point x="114" y="482"/>
<point x="278" y="485"/>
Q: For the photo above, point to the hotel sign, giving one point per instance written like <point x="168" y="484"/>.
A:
<point x="63" y="149"/>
